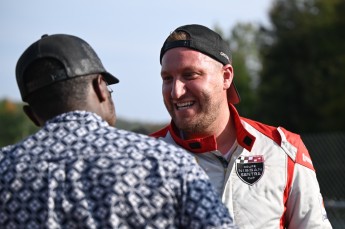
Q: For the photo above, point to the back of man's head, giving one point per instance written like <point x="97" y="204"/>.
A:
<point x="76" y="56"/>
<point x="53" y="73"/>
<point x="59" y="97"/>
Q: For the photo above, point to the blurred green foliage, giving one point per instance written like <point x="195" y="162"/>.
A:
<point x="303" y="57"/>
<point x="14" y="125"/>
<point x="291" y="72"/>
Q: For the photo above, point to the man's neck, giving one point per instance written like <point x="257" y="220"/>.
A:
<point x="224" y="133"/>
<point x="227" y="137"/>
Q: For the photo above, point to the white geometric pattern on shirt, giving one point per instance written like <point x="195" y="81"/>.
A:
<point x="78" y="172"/>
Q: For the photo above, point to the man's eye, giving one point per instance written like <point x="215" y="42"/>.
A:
<point x="190" y="75"/>
<point x="166" y="78"/>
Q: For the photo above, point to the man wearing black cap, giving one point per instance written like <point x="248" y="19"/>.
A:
<point x="264" y="174"/>
<point x="80" y="172"/>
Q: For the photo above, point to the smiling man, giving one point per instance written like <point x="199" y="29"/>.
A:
<point x="264" y="174"/>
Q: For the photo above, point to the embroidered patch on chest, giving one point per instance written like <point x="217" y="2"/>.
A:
<point x="250" y="168"/>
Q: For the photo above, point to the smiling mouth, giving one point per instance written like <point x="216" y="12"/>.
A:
<point x="185" y="105"/>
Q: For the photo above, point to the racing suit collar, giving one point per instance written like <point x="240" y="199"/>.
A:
<point x="207" y="144"/>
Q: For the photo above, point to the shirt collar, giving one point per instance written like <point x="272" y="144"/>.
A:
<point x="80" y="116"/>
<point x="207" y="144"/>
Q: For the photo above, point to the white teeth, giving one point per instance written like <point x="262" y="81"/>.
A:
<point x="184" y="105"/>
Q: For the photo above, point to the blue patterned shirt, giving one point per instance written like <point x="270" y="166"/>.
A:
<point x="78" y="172"/>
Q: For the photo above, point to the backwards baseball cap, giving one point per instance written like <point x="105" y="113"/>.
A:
<point x="76" y="55"/>
<point x="208" y="42"/>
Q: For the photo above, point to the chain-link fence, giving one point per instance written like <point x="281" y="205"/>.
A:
<point x="327" y="151"/>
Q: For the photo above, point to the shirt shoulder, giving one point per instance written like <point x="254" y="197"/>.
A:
<point x="290" y="142"/>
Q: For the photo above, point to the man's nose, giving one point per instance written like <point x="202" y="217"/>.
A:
<point x="178" y="89"/>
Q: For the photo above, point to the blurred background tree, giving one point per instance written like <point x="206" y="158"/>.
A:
<point x="291" y="72"/>
<point x="303" y="57"/>
<point x="14" y="125"/>
<point x="243" y="44"/>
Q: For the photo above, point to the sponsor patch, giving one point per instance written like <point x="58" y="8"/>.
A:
<point x="250" y="168"/>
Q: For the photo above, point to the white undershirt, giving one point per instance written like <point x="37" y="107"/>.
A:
<point x="231" y="151"/>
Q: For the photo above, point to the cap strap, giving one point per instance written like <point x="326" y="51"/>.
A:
<point x="58" y="75"/>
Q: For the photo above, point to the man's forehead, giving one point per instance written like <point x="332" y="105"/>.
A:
<point x="179" y="54"/>
<point x="185" y="59"/>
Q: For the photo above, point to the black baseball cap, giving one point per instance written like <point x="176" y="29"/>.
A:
<point x="208" y="42"/>
<point x="76" y="55"/>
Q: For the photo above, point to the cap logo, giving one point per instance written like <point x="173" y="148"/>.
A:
<point x="53" y="77"/>
<point x="225" y="56"/>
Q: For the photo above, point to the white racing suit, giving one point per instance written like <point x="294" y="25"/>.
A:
<point x="267" y="182"/>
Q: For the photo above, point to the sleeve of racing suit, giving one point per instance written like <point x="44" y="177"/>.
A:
<point x="304" y="207"/>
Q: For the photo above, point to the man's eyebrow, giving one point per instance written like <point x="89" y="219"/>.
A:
<point x="164" y="73"/>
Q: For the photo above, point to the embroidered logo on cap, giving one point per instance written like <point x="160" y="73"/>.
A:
<point x="224" y="55"/>
<point x="250" y="168"/>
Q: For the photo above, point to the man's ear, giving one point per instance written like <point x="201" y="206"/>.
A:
<point x="228" y="75"/>
<point x="100" y="88"/>
<point x="31" y="114"/>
